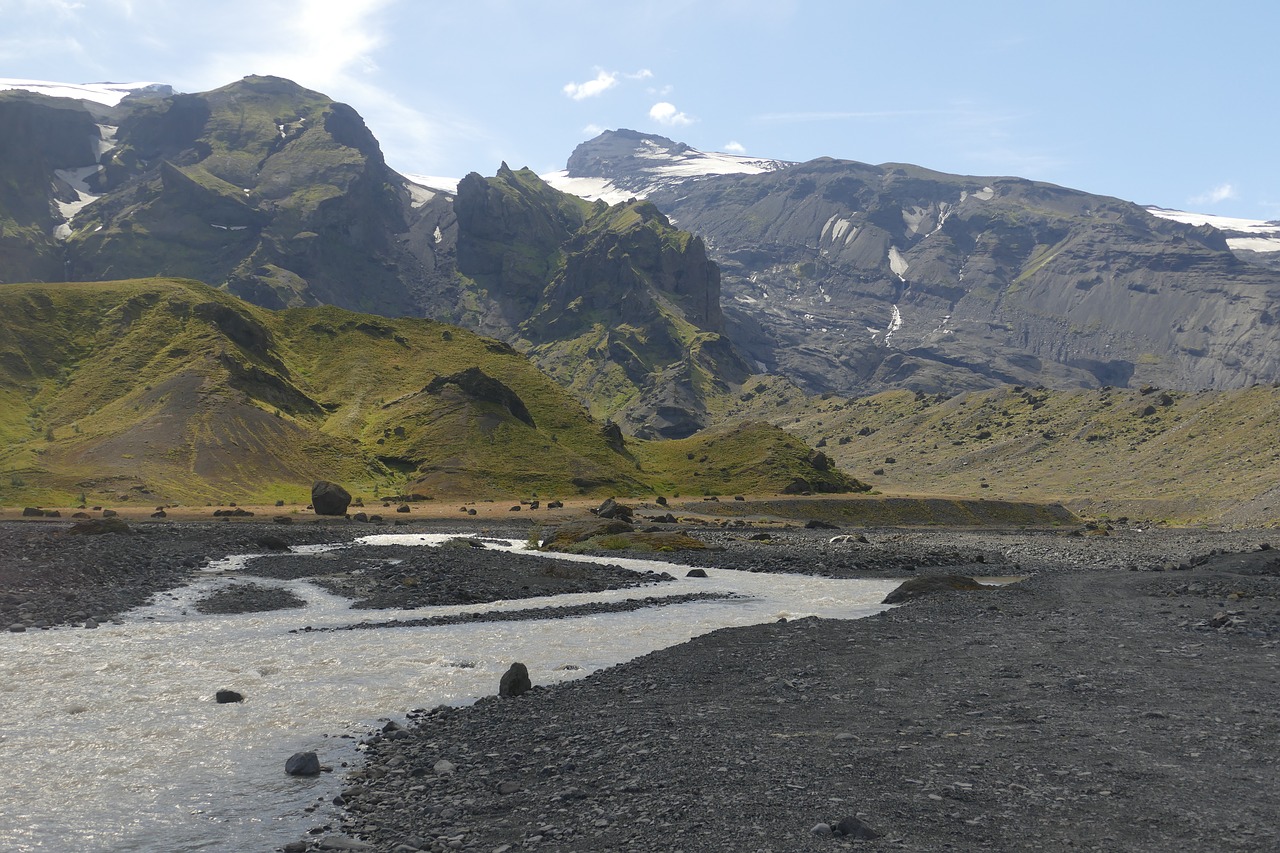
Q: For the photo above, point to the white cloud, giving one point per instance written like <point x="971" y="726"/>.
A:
<point x="1220" y="193"/>
<point x="603" y="82"/>
<point x="320" y="44"/>
<point x="735" y="148"/>
<point x="593" y="130"/>
<point x="666" y="113"/>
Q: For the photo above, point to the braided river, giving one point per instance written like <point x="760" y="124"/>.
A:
<point x="111" y="740"/>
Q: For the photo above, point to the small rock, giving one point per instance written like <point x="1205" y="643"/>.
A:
<point x="17" y="628"/>
<point x="851" y="827"/>
<point x="444" y="767"/>
<point x="822" y="830"/>
<point x="225" y="697"/>
<point x="509" y="787"/>
<point x="696" y="573"/>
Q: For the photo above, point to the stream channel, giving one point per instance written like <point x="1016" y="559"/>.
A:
<point x="111" y="739"/>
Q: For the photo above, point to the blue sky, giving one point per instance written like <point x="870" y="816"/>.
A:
<point x="1172" y="103"/>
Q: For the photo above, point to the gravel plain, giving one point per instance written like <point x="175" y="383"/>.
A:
<point x="1121" y="696"/>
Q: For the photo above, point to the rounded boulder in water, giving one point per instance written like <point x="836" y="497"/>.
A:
<point x="303" y="764"/>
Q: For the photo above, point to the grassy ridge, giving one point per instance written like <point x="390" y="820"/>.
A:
<point x="751" y="457"/>
<point x="1145" y="453"/>
<point x="168" y="390"/>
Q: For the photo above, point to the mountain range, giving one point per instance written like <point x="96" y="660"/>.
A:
<point x="656" y="283"/>
<point x="842" y="276"/>
<point x="854" y="278"/>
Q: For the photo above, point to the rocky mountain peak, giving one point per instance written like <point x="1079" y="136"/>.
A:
<point x="622" y="164"/>
<point x="611" y="153"/>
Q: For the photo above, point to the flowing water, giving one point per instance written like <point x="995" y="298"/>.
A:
<point x="111" y="741"/>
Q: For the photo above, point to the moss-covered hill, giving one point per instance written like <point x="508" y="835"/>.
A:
<point x="168" y="390"/>
<point x="1146" y="453"/>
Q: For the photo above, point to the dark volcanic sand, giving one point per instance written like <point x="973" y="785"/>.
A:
<point x="1102" y="704"/>
<point x="1088" y="707"/>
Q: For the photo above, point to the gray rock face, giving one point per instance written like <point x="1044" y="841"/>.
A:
<point x="851" y="277"/>
<point x="856" y="278"/>
<point x="329" y="498"/>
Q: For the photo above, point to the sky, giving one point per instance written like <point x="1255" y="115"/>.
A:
<point x="1172" y="103"/>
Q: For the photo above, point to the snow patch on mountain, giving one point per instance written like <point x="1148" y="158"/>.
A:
<point x="1252" y="235"/>
<point x="838" y="228"/>
<point x="107" y="94"/>
<point x="590" y="188"/>
<point x="418" y="184"/>
<point x="898" y="264"/>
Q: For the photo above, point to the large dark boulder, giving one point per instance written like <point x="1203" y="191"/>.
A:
<point x="329" y="498"/>
<point x="515" y="681"/>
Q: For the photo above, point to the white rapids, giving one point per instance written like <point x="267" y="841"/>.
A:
<point x="112" y="741"/>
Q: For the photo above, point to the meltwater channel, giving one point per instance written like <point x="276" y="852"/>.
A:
<point x="110" y="739"/>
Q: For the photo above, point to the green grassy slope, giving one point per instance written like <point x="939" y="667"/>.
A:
<point x="167" y="390"/>
<point x="1144" y="453"/>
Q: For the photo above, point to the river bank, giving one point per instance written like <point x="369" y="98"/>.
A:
<point x="1120" y="697"/>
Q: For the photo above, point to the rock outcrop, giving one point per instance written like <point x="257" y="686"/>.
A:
<point x="614" y="302"/>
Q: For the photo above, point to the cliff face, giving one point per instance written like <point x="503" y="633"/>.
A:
<point x="852" y="277"/>
<point x="39" y="139"/>
<point x="269" y="190"/>
<point x="614" y="302"/>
